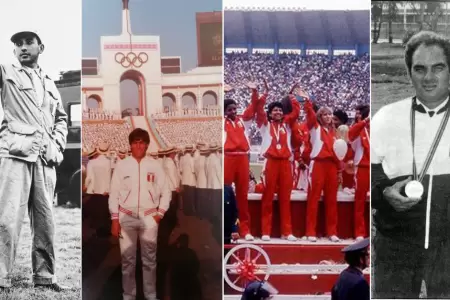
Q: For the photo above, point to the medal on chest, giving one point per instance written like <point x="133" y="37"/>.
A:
<point x="414" y="188"/>
<point x="277" y="133"/>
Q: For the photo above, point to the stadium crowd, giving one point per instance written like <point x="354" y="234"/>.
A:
<point x="341" y="82"/>
<point x="178" y="132"/>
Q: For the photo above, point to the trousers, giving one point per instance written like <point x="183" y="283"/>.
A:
<point x="237" y="171"/>
<point x="362" y="179"/>
<point x="278" y="174"/>
<point x="399" y="268"/>
<point x="25" y="185"/>
<point x="146" y="230"/>
<point x="323" y="176"/>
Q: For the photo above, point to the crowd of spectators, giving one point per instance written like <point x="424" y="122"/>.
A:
<point x="180" y="132"/>
<point x="116" y="133"/>
<point x="340" y="82"/>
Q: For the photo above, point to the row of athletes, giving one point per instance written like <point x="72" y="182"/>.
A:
<point x="285" y="141"/>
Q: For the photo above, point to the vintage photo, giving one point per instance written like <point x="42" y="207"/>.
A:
<point x="40" y="170"/>
<point x="410" y="150"/>
<point x="152" y="132"/>
<point x="296" y="149"/>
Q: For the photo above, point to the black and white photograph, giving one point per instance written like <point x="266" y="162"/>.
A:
<point x="410" y="150"/>
<point x="40" y="141"/>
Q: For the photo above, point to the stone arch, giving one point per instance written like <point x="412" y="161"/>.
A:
<point x="139" y="79"/>
<point x="94" y="101"/>
<point x="169" y="101"/>
<point x="189" y="100"/>
<point x="209" y="98"/>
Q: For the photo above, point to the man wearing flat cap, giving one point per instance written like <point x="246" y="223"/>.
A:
<point x="351" y="284"/>
<point x="32" y="141"/>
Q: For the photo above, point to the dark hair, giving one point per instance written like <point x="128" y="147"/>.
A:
<point x="139" y="134"/>
<point x="353" y="258"/>
<point x="315" y="107"/>
<point x="271" y="106"/>
<point x="427" y="38"/>
<point x="364" y="110"/>
<point x="228" y="102"/>
<point x="341" y="115"/>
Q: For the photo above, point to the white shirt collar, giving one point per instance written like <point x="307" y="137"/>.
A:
<point x="435" y="109"/>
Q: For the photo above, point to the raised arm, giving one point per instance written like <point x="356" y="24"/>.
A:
<point x="292" y="117"/>
<point x="356" y="130"/>
<point x="311" y="118"/>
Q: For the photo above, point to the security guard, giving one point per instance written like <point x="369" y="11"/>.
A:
<point x="138" y="201"/>
<point x="259" y="290"/>
<point x="33" y="137"/>
<point x="351" y="284"/>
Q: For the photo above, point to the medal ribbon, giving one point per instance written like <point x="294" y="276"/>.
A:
<point x="434" y="146"/>
<point x="277" y="132"/>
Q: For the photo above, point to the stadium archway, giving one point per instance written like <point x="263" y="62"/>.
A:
<point x="188" y="100"/>
<point x="133" y="94"/>
<point x="209" y="98"/>
<point x="169" y="101"/>
<point x="94" y="101"/>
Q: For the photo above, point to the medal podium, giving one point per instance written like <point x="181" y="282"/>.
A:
<point x="298" y="270"/>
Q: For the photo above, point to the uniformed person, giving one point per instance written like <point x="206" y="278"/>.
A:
<point x="351" y="284"/>
<point x="122" y="154"/>
<point x="138" y="201"/>
<point x="33" y="137"/>
<point x="99" y="179"/>
<point x="169" y="222"/>
<point x="188" y="180"/>
<point x="259" y="290"/>
<point x="201" y="192"/>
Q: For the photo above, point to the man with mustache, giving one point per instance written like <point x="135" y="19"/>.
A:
<point x="410" y="159"/>
<point x="32" y="141"/>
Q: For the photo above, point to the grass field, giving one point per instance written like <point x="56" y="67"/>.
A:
<point x="390" y="82"/>
<point x="68" y="264"/>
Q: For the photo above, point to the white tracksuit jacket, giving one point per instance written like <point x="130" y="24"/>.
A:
<point x="139" y="189"/>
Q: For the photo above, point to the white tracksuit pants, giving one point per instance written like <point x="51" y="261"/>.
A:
<point x="146" y="230"/>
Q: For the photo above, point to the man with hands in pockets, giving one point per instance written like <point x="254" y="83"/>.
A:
<point x="138" y="200"/>
<point x="32" y="141"/>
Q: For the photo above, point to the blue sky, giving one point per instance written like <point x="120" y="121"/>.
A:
<point x="172" y="20"/>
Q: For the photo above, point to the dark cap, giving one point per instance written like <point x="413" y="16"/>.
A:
<point x="22" y="34"/>
<point x="359" y="246"/>
<point x="256" y="290"/>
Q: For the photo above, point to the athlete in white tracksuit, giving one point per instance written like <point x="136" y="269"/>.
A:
<point x="138" y="201"/>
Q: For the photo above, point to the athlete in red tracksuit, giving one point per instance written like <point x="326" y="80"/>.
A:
<point x="359" y="135"/>
<point x="236" y="147"/>
<point x="323" y="171"/>
<point x="301" y="139"/>
<point x="276" y="132"/>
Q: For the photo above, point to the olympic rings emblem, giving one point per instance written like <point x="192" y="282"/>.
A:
<point x="131" y="59"/>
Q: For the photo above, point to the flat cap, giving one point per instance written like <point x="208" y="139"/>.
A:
<point x="21" y="34"/>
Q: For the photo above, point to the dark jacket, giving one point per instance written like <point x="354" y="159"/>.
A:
<point x="230" y="213"/>
<point x="351" y="285"/>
